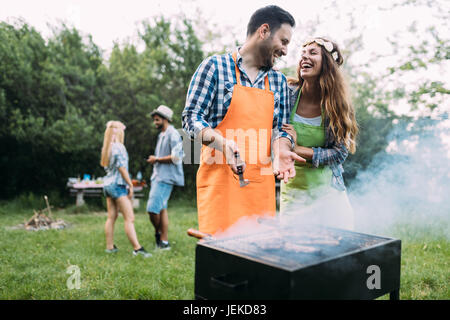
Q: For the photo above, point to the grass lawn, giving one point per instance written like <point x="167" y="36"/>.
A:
<point x="34" y="264"/>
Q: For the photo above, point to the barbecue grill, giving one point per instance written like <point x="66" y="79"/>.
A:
<point x="290" y="263"/>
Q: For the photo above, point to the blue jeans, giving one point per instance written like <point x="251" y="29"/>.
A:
<point x="158" y="196"/>
<point x="115" y="190"/>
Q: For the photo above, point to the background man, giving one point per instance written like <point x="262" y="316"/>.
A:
<point x="167" y="172"/>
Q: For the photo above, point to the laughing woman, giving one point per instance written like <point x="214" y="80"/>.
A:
<point x="324" y="127"/>
<point x="118" y="198"/>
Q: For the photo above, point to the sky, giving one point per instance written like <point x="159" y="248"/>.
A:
<point x="110" y="21"/>
<point x="113" y="20"/>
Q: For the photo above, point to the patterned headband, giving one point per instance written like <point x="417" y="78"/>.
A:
<point x="324" y="43"/>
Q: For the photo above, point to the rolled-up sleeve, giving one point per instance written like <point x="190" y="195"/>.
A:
<point x="176" y="147"/>
<point x="329" y="156"/>
<point x="200" y="96"/>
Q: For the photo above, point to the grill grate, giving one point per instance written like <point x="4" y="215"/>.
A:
<point x="293" y="248"/>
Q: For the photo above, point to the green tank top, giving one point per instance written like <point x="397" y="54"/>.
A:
<point x="308" y="177"/>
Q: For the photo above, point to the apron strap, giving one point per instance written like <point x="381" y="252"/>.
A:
<point x="294" y="110"/>
<point x="238" y="74"/>
<point x="266" y="83"/>
<point x="322" y="112"/>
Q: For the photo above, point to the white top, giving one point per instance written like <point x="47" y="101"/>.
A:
<point x="316" y="121"/>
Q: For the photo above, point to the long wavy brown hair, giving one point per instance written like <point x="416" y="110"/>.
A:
<point x="114" y="133"/>
<point x="335" y="97"/>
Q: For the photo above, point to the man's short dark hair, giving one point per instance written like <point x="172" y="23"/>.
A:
<point x="274" y="16"/>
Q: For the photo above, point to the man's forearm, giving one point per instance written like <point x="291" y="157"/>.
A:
<point x="281" y="144"/>
<point x="215" y="140"/>
<point x="212" y="138"/>
<point x="166" y="159"/>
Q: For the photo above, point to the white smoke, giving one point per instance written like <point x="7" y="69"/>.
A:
<point x="408" y="185"/>
<point x="253" y="224"/>
<point x="331" y="208"/>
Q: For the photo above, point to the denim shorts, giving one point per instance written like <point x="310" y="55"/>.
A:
<point x="158" y="196"/>
<point x="115" y="190"/>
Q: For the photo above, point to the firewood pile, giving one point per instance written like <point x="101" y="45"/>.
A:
<point x="40" y="221"/>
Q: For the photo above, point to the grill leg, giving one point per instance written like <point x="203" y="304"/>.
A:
<point x="394" y="295"/>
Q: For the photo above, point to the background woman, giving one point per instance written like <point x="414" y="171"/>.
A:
<point x="115" y="161"/>
<point x="324" y="127"/>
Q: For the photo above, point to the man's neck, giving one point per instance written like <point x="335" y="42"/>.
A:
<point x="164" y="127"/>
<point x="251" y="61"/>
<point x="250" y="58"/>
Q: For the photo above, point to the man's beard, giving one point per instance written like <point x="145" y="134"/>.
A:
<point x="265" y="52"/>
<point x="159" y="126"/>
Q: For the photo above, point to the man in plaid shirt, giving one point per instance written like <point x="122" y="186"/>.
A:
<point x="221" y="78"/>
<point x="211" y="89"/>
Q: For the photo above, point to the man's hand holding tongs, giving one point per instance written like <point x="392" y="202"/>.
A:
<point x="234" y="160"/>
<point x="230" y="150"/>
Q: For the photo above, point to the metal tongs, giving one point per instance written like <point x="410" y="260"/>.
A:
<point x="239" y="165"/>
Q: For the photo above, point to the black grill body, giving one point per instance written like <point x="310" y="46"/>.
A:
<point x="312" y="263"/>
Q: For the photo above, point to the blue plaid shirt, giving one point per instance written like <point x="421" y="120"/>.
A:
<point x="332" y="154"/>
<point x="211" y="90"/>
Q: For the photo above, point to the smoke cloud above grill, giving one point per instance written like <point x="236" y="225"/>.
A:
<point x="409" y="183"/>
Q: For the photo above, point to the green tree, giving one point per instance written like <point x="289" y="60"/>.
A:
<point x="141" y="81"/>
<point x="50" y="95"/>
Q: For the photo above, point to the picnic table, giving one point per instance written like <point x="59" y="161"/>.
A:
<point x="89" y="188"/>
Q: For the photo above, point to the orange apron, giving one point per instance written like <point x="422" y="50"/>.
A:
<point x="220" y="200"/>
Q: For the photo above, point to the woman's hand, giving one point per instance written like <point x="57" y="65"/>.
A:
<point x="289" y="129"/>
<point x="130" y="192"/>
